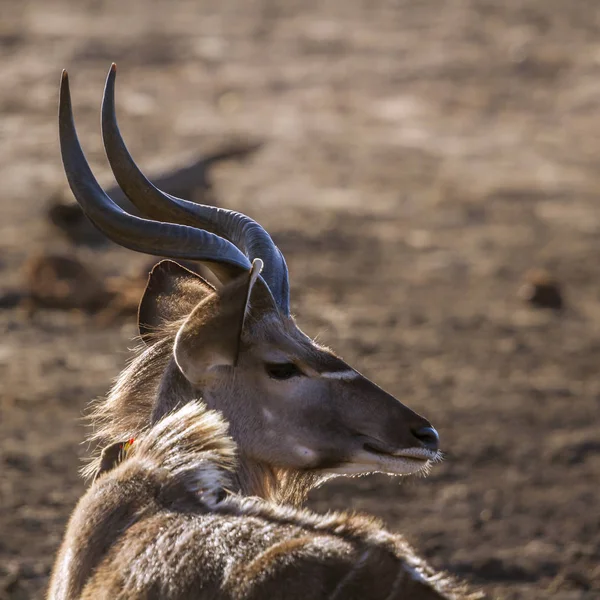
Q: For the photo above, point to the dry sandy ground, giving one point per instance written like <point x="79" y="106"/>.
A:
<point x="420" y="157"/>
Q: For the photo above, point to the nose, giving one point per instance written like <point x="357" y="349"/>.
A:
<point x="428" y="437"/>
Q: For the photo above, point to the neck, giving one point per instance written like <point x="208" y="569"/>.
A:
<point x="173" y="392"/>
<point x="274" y="484"/>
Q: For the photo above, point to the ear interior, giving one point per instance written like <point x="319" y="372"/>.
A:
<point x="210" y="337"/>
<point x="171" y="293"/>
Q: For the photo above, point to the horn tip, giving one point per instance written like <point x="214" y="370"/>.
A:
<point x="110" y="78"/>
<point x="64" y="87"/>
<point x="257" y="266"/>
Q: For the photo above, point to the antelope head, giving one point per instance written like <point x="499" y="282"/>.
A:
<point x="298" y="413"/>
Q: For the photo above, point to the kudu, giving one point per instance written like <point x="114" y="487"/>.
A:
<point x="297" y="413"/>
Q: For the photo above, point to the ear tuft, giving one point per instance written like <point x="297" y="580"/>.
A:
<point x="172" y="293"/>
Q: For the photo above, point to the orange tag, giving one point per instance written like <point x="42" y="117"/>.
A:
<point x="127" y="445"/>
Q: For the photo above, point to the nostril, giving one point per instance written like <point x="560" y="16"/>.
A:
<point x="428" y="437"/>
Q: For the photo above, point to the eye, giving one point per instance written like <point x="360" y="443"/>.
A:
<point x="282" y="371"/>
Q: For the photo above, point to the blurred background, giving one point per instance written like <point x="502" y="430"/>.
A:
<point x="431" y="172"/>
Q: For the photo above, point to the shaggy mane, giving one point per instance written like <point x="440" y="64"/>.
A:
<point x="127" y="408"/>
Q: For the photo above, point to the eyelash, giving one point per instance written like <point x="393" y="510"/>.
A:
<point x="282" y="371"/>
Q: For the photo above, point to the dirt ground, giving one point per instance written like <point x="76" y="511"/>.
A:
<point x="419" y="159"/>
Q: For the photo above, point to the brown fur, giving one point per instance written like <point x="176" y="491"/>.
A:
<point x="156" y="526"/>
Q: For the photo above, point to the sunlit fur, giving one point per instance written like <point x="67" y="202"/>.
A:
<point x="161" y="523"/>
<point x="152" y="385"/>
<point x="292" y="435"/>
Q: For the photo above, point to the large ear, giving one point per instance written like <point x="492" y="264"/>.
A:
<point x="210" y="336"/>
<point x="172" y="293"/>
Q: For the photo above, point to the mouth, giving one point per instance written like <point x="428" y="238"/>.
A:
<point x="374" y="458"/>
<point x="417" y="454"/>
<point x="401" y="462"/>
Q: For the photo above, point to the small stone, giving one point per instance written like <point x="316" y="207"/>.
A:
<point x="541" y="289"/>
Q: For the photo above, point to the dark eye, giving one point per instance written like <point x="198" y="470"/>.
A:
<point x="282" y="370"/>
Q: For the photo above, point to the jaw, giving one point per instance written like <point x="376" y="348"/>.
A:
<point x="287" y="485"/>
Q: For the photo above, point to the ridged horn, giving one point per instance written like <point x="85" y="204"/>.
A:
<point x="242" y="231"/>
<point x="141" y="235"/>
